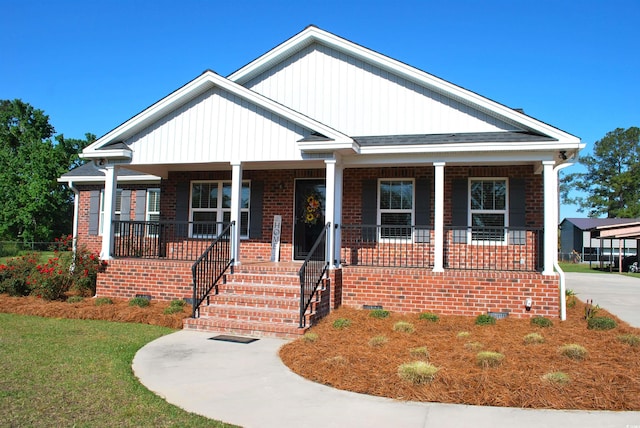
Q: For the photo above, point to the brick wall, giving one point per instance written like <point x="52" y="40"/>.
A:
<point x="452" y="292"/>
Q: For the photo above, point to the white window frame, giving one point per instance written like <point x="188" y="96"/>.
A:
<point x="411" y="211"/>
<point x="505" y="212"/>
<point x="117" y="211"/>
<point x="219" y="210"/>
<point x="149" y="212"/>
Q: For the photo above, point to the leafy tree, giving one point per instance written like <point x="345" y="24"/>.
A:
<point x="611" y="183"/>
<point x="33" y="205"/>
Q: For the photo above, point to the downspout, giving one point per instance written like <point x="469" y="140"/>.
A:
<point x="76" y="212"/>
<point x="556" y="266"/>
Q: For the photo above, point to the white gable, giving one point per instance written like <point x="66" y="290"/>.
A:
<point x="217" y="126"/>
<point x="359" y="98"/>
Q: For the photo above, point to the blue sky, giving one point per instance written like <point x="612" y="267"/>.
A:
<point x="91" y="65"/>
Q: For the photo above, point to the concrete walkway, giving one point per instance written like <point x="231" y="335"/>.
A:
<point x="247" y="385"/>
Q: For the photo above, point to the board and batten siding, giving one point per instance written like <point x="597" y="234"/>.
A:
<point x="217" y="126"/>
<point x="360" y="99"/>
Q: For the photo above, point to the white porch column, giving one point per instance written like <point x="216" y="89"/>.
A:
<point x="110" y="187"/>
<point x="438" y="218"/>
<point x="337" y="232"/>
<point x="236" y="199"/>
<point x="550" y="178"/>
<point x="330" y="206"/>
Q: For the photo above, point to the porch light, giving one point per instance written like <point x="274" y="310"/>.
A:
<point x="528" y="303"/>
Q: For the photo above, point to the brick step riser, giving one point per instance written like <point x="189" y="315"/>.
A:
<point x="259" y="290"/>
<point x="245" y="329"/>
<point x="234" y="300"/>
<point x="242" y="313"/>
<point x="240" y="278"/>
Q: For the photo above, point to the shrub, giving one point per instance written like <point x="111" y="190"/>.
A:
<point x="429" y="316"/>
<point x="570" y="297"/>
<point x="14" y="275"/>
<point x="463" y="334"/>
<point x="489" y="358"/>
<point x="53" y="279"/>
<point x="557" y="377"/>
<point x="473" y="346"/>
<point x="341" y="323"/>
<point x="629" y="339"/>
<point x="310" y="337"/>
<point x="378" y="341"/>
<point x="417" y="372"/>
<point x="484" y="319"/>
<point x="404" y="327"/>
<point x="75" y="299"/>
<point x="176" y="306"/>
<point x="139" y="301"/>
<point x="541" y="322"/>
<point x="533" y="338"/>
<point x="379" y="313"/>
<point x="420" y="352"/>
<point x="601" y="323"/>
<point x="573" y="351"/>
<point x="103" y="301"/>
<point x="84" y="273"/>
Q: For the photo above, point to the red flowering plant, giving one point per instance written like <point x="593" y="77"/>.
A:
<point x="84" y="271"/>
<point x="14" y="275"/>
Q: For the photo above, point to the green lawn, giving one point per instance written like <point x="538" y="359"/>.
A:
<point x="63" y="373"/>
<point x="43" y="256"/>
<point x="580" y="267"/>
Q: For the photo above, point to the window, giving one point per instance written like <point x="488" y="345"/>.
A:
<point x="152" y="212"/>
<point x="395" y="209"/>
<point x="117" y="209"/>
<point x="211" y="204"/>
<point x="488" y="202"/>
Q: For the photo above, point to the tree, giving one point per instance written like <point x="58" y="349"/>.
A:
<point x="33" y="205"/>
<point x="611" y="183"/>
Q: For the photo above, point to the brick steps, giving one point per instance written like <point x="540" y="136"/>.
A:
<point x="255" y="301"/>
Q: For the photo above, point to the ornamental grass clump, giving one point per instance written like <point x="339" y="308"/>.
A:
<point x="463" y="334"/>
<point x="419" y="352"/>
<point x="629" y="339"/>
<point x="341" y="323"/>
<point x="417" y="372"/>
<point x="429" y="316"/>
<point x="541" y="322"/>
<point x="379" y="313"/>
<point x="376" y="341"/>
<point x="489" y="358"/>
<point x="601" y="323"/>
<point x="103" y="301"/>
<point x="560" y="378"/>
<point x="176" y="306"/>
<point x="533" y="338"/>
<point x="573" y="351"/>
<point x="75" y="299"/>
<point x="473" y="346"/>
<point x="140" y="302"/>
<point x="310" y="337"/>
<point x="484" y="319"/>
<point x="404" y="327"/>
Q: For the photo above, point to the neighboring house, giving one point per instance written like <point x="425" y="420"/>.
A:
<point x="580" y="239"/>
<point x="399" y="189"/>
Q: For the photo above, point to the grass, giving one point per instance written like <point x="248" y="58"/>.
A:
<point x="61" y="372"/>
<point x="580" y="267"/>
<point x="43" y="256"/>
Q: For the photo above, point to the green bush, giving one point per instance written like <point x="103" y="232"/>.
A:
<point x="103" y="301"/>
<point x="379" y="313"/>
<point x="176" y="306"/>
<point x="376" y="341"/>
<point x="541" y="322"/>
<point x="484" y="319"/>
<point x="489" y="358"/>
<point x="341" y="323"/>
<point x="573" y="351"/>
<point x="417" y="372"/>
<point x="601" y="323"/>
<point x="75" y="299"/>
<point x="533" y="338"/>
<point x="14" y="275"/>
<point x="429" y="316"/>
<point x="629" y="339"/>
<point x="139" y="301"/>
<point x="404" y="327"/>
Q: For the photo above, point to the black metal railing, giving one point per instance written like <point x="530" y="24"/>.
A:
<point x="387" y="246"/>
<point x="172" y="240"/>
<point x="312" y="271"/>
<point x="497" y="248"/>
<point x="210" y="267"/>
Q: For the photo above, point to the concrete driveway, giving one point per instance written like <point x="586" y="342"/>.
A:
<point x="618" y="294"/>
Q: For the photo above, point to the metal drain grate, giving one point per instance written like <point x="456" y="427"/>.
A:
<point x="233" y="339"/>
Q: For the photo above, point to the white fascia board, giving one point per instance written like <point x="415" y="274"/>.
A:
<point x="311" y="34"/>
<point x="324" y="146"/>
<point x="465" y="147"/>
<point x="197" y="86"/>
<point x="106" y="154"/>
<point x="451" y="158"/>
<point x="151" y="179"/>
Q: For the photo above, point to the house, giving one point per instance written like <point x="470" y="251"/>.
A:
<point x="580" y="239"/>
<point x="322" y="174"/>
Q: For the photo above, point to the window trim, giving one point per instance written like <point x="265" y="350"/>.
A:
<point x="219" y="210"/>
<point x="411" y="211"/>
<point x="148" y="212"/>
<point x="504" y="212"/>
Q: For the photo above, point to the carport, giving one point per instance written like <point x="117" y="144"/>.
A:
<point x="621" y="232"/>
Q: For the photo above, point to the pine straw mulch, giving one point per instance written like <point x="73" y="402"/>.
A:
<point x="119" y="311"/>
<point x="608" y="379"/>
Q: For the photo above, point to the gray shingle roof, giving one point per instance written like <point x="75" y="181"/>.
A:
<point x="471" y="137"/>
<point x="89" y="169"/>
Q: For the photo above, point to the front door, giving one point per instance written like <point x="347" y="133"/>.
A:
<point x="309" y="215"/>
